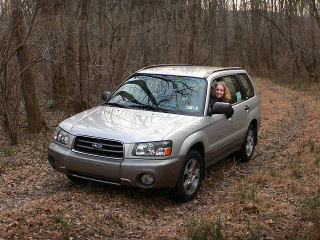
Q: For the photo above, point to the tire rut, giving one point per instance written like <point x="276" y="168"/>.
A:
<point x="290" y="130"/>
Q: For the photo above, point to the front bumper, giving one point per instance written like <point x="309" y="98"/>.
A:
<point x="115" y="171"/>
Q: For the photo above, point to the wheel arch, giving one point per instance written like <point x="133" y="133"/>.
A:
<point x="199" y="146"/>
<point x="254" y="123"/>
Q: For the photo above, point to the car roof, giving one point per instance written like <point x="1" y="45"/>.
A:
<point x="184" y="70"/>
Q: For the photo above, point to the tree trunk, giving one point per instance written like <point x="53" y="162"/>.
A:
<point x="255" y="34"/>
<point x="124" y="49"/>
<point x="74" y="100"/>
<point x="213" y="25"/>
<point x="192" y="32"/>
<point x="290" y="18"/>
<point x="247" y="32"/>
<point x="59" y="85"/>
<point x="34" y="115"/>
<point x="224" y="18"/>
<point x="83" y="54"/>
<point x="273" y="64"/>
<point x="237" y="37"/>
<point x="181" y="29"/>
<point x="315" y="11"/>
<point x="6" y="116"/>
<point x="310" y="57"/>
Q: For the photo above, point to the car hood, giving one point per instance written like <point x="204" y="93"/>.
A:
<point x="126" y="125"/>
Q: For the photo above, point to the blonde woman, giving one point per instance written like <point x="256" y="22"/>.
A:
<point x="220" y="93"/>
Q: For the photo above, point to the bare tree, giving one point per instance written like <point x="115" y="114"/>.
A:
<point x="7" y="85"/>
<point x="74" y="98"/>
<point x="192" y="10"/>
<point x="84" y="53"/>
<point x="122" y="54"/>
<point x="315" y="11"/>
<point x="34" y="115"/>
<point x="255" y="33"/>
<point x="54" y="20"/>
<point x="224" y="23"/>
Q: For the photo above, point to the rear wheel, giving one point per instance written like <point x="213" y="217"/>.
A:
<point x="248" y="145"/>
<point x="190" y="178"/>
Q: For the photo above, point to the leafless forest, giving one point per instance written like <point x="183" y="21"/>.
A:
<point x="60" y="55"/>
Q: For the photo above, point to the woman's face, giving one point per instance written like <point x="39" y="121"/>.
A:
<point x="219" y="91"/>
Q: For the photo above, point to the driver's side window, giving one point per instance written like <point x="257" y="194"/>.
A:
<point x="234" y="88"/>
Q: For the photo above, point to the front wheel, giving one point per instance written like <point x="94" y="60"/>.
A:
<point x="190" y="178"/>
<point x="248" y="145"/>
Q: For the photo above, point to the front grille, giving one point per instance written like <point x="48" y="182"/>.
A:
<point x="99" y="147"/>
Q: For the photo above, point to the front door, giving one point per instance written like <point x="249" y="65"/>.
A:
<point x="225" y="135"/>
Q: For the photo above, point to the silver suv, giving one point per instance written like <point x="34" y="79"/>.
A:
<point x="156" y="130"/>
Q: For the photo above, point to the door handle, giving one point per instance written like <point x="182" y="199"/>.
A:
<point x="246" y="108"/>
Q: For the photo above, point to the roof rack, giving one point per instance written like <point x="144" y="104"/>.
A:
<point x="227" y="68"/>
<point x="222" y="69"/>
<point x="163" y="65"/>
<point x="217" y="69"/>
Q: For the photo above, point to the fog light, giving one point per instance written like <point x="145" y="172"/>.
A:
<point x="147" y="179"/>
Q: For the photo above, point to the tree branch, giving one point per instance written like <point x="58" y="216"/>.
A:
<point x="26" y="37"/>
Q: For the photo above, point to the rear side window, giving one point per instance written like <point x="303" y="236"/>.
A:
<point x="247" y="85"/>
<point x="234" y="87"/>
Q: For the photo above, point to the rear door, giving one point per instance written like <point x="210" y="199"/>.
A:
<point x="252" y="105"/>
<point x="238" y="102"/>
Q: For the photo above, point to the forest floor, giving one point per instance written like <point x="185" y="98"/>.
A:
<point x="276" y="195"/>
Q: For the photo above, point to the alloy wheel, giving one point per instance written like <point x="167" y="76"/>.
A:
<point x="250" y="143"/>
<point x="191" y="176"/>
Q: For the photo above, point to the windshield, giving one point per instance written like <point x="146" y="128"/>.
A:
<point x="173" y="94"/>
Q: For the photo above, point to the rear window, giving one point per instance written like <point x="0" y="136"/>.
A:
<point x="247" y="85"/>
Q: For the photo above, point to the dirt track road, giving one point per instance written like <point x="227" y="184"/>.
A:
<point x="266" y="197"/>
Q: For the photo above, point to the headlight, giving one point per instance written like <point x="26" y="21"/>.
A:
<point x="161" y="148"/>
<point x="61" y="136"/>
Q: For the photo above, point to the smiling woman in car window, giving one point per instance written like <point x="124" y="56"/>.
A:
<point x="220" y="93"/>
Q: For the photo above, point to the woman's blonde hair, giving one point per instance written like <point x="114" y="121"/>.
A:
<point x="226" y="96"/>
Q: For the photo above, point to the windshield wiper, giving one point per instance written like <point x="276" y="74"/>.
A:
<point x="149" y="107"/>
<point x="114" y="105"/>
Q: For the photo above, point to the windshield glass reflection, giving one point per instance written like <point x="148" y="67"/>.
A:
<point x="174" y="94"/>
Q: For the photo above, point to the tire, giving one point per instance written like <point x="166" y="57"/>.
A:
<point x="248" y="145"/>
<point x="190" y="178"/>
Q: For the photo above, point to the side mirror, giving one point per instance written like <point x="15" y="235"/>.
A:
<point x="105" y="95"/>
<point x="222" y="108"/>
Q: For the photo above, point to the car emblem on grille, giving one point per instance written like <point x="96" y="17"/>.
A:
<point x="97" y="146"/>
